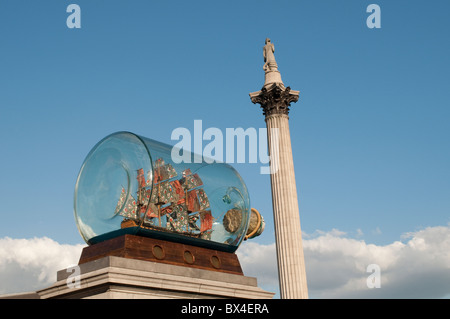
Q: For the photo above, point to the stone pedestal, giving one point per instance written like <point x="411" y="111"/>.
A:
<point x="272" y="77"/>
<point x="114" y="277"/>
<point x="163" y="251"/>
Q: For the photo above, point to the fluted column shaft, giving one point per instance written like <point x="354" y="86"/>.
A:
<point x="290" y="258"/>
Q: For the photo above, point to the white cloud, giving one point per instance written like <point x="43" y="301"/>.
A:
<point x="259" y="261"/>
<point x="359" y="232"/>
<point x="336" y="265"/>
<point x="31" y="264"/>
<point x="376" y="231"/>
<point x="334" y="232"/>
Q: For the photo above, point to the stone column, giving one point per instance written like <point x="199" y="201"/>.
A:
<point x="291" y="264"/>
<point x="275" y="100"/>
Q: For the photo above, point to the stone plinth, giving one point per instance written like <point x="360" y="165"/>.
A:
<point x="272" y="77"/>
<point x="114" y="277"/>
<point x="162" y="251"/>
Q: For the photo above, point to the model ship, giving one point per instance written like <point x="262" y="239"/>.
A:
<point x="165" y="203"/>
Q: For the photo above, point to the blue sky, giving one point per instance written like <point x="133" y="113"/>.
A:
<point x="370" y="132"/>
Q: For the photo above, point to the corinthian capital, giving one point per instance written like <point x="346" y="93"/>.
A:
<point x="275" y="99"/>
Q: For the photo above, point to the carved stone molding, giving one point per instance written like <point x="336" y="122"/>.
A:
<point x="275" y="99"/>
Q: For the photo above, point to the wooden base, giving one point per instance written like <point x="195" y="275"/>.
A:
<point x="161" y="251"/>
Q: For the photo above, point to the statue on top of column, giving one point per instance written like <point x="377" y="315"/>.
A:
<point x="269" y="59"/>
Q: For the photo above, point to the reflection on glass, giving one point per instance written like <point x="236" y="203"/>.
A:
<point x="129" y="184"/>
